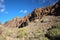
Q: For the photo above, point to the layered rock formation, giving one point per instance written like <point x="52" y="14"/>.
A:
<point x="38" y="13"/>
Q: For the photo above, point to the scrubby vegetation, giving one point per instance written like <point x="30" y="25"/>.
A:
<point x="22" y="34"/>
<point x="38" y="33"/>
<point x="34" y="31"/>
<point x="56" y="25"/>
<point x="54" y="32"/>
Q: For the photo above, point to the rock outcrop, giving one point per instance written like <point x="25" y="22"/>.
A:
<point x="13" y="23"/>
<point x="38" y="13"/>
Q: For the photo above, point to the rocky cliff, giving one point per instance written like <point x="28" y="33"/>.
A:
<point x="37" y="13"/>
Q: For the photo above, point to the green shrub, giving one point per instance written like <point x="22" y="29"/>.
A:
<point x="54" y="34"/>
<point x="38" y="33"/>
<point x="43" y="38"/>
<point x="22" y="33"/>
<point x="39" y="38"/>
<point x="57" y="25"/>
<point x="2" y="37"/>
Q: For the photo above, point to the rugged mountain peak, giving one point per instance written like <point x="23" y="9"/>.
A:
<point x="38" y="13"/>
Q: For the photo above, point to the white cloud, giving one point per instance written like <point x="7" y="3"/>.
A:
<point x="2" y="6"/>
<point x="2" y="10"/>
<point x="23" y="11"/>
<point x="2" y="0"/>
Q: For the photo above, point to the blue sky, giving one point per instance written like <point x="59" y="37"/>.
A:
<point x="12" y="8"/>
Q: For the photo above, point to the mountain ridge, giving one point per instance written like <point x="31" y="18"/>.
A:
<point x="37" y="13"/>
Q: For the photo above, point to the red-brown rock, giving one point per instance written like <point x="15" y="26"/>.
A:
<point x="37" y="13"/>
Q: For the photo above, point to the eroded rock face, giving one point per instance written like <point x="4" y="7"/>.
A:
<point x="13" y="23"/>
<point x="24" y="22"/>
<point x="38" y="13"/>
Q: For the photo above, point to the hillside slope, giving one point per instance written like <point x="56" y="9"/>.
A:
<point x="33" y="26"/>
